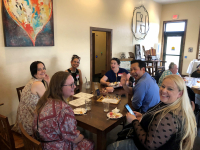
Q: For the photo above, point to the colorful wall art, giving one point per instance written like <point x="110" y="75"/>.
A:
<point x="28" y="23"/>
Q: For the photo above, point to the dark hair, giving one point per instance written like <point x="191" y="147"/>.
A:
<point x="33" y="67"/>
<point x="116" y="59"/>
<point x="140" y="63"/>
<point x="54" y="90"/>
<point x="75" y="57"/>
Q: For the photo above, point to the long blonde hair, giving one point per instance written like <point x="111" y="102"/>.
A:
<point x="182" y="106"/>
<point x="54" y="90"/>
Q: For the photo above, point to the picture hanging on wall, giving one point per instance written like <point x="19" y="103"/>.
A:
<point x="28" y="23"/>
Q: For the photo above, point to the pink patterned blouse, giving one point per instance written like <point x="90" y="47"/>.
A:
<point x="57" y="126"/>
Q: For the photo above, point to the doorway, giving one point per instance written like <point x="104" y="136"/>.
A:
<point x="107" y="53"/>
<point x="174" y="41"/>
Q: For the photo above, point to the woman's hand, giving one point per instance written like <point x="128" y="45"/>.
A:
<point x="108" y="83"/>
<point x="138" y="115"/>
<point x="47" y="78"/>
<point x="130" y="117"/>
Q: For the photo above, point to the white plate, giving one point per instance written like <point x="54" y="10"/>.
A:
<point x="79" y="111"/>
<point x="114" y="84"/>
<point x="112" y="115"/>
<point x="196" y="87"/>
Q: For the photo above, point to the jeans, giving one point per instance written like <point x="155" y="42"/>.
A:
<point x="123" y="145"/>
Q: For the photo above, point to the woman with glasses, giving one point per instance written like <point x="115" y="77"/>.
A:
<point x="30" y="95"/>
<point x="170" y="125"/>
<point x="76" y="73"/>
<point x="54" y="123"/>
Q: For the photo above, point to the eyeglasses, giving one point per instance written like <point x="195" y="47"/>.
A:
<point x="72" y="85"/>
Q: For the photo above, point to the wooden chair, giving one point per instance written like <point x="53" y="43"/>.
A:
<point x="19" y="91"/>
<point x="9" y="139"/>
<point x="29" y="142"/>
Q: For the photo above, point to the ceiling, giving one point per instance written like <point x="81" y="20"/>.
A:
<point x="172" y="1"/>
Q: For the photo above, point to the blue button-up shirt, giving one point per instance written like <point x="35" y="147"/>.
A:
<point x="145" y="93"/>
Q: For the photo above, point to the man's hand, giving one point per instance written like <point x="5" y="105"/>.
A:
<point x="123" y="79"/>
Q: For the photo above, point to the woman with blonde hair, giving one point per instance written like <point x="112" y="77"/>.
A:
<point x="169" y="125"/>
<point x="54" y="123"/>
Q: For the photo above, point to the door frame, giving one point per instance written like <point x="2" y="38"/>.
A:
<point x="183" y="40"/>
<point x="181" y="33"/>
<point x="109" y="33"/>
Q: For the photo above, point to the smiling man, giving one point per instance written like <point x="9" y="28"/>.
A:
<point x="146" y="91"/>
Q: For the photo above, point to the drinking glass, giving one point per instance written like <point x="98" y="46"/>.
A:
<point x="88" y="104"/>
<point x="106" y="106"/>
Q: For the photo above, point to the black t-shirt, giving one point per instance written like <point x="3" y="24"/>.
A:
<point x="75" y="75"/>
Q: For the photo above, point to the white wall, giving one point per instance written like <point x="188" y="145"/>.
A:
<point x="72" y="21"/>
<point x="190" y="11"/>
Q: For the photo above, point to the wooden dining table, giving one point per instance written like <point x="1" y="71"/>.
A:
<point x="96" y="120"/>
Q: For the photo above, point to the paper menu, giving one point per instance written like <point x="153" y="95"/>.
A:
<point x="78" y="102"/>
<point x="110" y="100"/>
<point x="83" y="95"/>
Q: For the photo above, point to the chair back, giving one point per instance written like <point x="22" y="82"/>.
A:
<point x="19" y="91"/>
<point x="29" y="142"/>
<point x="6" y="135"/>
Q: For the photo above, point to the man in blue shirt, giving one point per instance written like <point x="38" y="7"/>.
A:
<point x="146" y="91"/>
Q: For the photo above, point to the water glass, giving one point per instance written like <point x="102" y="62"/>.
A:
<point x="87" y="85"/>
<point x="88" y="104"/>
<point x="106" y="106"/>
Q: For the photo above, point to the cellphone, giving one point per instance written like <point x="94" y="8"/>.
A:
<point x="129" y="109"/>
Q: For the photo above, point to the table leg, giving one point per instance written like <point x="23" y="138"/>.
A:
<point x="101" y="140"/>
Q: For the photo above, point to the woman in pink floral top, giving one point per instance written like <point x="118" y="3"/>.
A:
<point x="54" y="118"/>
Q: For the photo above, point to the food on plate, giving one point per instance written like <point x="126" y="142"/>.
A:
<point x="79" y="111"/>
<point x="198" y="81"/>
<point x="114" y="115"/>
<point x="115" y="110"/>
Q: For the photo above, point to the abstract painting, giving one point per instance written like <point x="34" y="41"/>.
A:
<point x="28" y="23"/>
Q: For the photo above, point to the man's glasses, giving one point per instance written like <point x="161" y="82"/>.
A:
<point x="72" y="85"/>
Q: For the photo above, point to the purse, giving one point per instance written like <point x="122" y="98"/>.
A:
<point x="126" y="133"/>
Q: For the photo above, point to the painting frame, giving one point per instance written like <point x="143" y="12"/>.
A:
<point x="15" y="35"/>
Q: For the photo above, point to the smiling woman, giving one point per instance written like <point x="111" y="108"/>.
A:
<point x="75" y="72"/>
<point x="54" y="122"/>
<point x="31" y="93"/>
<point x="114" y="75"/>
<point x="171" y="124"/>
